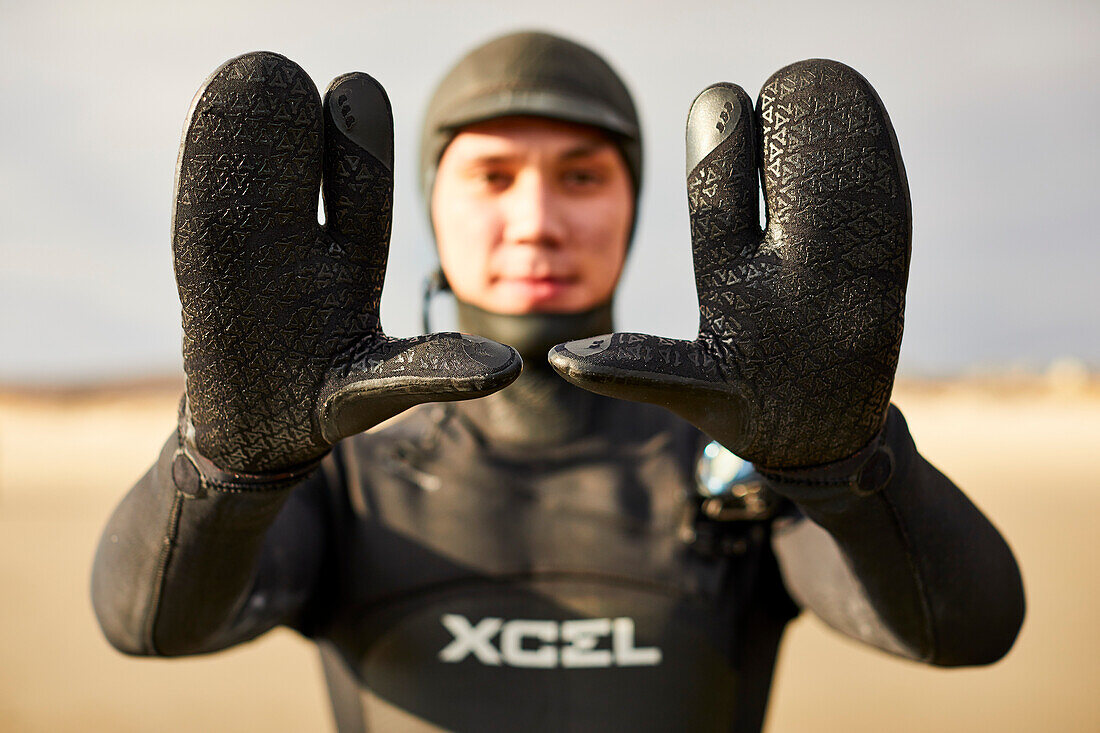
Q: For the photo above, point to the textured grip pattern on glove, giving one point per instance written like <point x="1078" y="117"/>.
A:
<point x="800" y="325"/>
<point x="806" y="323"/>
<point x="269" y="298"/>
<point x="822" y="301"/>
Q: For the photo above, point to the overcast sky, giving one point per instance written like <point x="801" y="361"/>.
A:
<point x="995" y="105"/>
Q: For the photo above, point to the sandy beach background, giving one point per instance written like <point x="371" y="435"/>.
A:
<point x="1027" y="450"/>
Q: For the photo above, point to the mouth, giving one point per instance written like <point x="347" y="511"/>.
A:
<point x="536" y="288"/>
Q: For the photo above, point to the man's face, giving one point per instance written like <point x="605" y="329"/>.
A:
<point x="532" y="215"/>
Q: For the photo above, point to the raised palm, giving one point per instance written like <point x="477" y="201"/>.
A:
<point x="801" y="322"/>
<point x="283" y="348"/>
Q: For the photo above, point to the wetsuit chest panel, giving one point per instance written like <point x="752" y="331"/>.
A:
<point x="548" y="655"/>
<point x="456" y="513"/>
<point x="550" y="589"/>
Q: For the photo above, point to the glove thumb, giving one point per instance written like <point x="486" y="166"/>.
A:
<point x="680" y="376"/>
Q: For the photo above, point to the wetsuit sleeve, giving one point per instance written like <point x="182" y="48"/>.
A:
<point x="900" y="558"/>
<point x="188" y="565"/>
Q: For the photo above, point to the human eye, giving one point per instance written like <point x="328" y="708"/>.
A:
<point x="496" y="178"/>
<point x="492" y="178"/>
<point x="583" y="177"/>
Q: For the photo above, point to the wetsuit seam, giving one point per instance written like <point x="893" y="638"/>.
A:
<point x="156" y="593"/>
<point x="922" y="593"/>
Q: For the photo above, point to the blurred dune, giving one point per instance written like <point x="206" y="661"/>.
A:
<point x="1026" y="449"/>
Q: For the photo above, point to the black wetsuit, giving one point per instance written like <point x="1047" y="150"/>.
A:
<point x="522" y="562"/>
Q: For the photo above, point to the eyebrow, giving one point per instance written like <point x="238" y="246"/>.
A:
<point x="492" y="159"/>
<point x="585" y="149"/>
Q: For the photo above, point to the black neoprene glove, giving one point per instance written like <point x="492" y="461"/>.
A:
<point x="800" y="324"/>
<point x="283" y="349"/>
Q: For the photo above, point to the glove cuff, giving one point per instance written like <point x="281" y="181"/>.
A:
<point x="194" y="474"/>
<point x="866" y="472"/>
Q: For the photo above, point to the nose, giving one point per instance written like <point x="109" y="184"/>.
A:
<point x="533" y="211"/>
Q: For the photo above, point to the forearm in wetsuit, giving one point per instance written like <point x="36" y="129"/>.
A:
<point x="904" y="562"/>
<point x="187" y="565"/>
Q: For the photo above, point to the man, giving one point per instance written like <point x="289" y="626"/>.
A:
<point x="546" y="557"/>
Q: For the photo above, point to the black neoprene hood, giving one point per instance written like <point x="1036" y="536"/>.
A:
<point x="535" y="74"/>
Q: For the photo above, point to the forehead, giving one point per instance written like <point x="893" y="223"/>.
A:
<point x="508" y="136"/>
